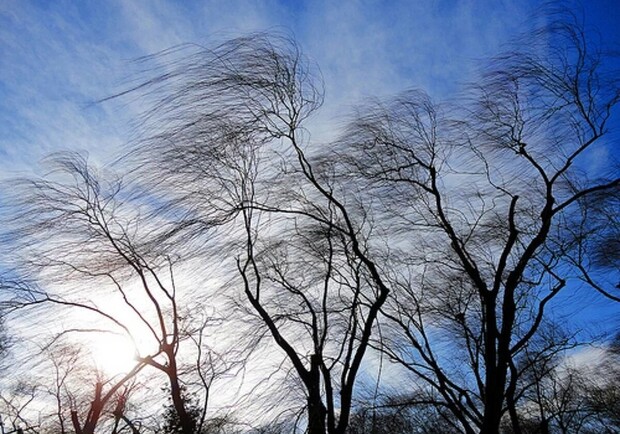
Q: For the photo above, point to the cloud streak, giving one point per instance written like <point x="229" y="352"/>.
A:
<point x="57" y="58"/>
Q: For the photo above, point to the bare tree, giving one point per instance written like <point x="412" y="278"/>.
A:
<point x="572" y="398"/>
<point x="229" y="146"/>
<point x="473" y="215"/>
<point x="602" y="392"/>
<point x="77" y="228"/>
<point x="486" y="207"/>
<point x="448" y="227"/>
<point x="15" y="411"/>
<point x="402" y="413"/>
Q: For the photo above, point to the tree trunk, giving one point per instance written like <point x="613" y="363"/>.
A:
<point x="316" y="416"/>
<point x="492" y="417"/>
<point x="494" y="400"/>
<point x="178" y="400"/>
<point x="96" y="407"/>
<point x="316" y="409"/>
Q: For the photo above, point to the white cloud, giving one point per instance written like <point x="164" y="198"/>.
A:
<point x="57" y="58"/>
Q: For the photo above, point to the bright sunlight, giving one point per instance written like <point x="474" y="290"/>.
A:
<point x="113" y="354"/>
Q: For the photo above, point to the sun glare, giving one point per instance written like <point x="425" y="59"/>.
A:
<point x="113" y="354"/>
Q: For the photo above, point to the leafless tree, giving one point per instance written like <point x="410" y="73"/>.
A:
<point x="448" y="227"/>
<point x="15" y="408"/>
<point x="474" y="215"/>
<point x="602" y="392"/>
<point x="402" y="413"/>
<point x="76" y="231"/>
<point x="486" y="205"/>
<point x="226" y="144"/>
<point x="572" y="398"/>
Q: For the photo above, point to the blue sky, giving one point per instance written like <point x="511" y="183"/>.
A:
<point x="57" y="57"/>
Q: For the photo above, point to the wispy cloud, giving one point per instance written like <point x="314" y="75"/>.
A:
<point x="58" y="57"/>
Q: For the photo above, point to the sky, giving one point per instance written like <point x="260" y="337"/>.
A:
<point x="58" y="58"/>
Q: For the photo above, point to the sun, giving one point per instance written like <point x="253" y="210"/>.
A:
<point x="113" y="354"/>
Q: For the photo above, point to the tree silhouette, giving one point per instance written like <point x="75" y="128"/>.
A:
<point x="434" y="234"/>
<point x="488" y="214"/>
<point x="77" y="227"/>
